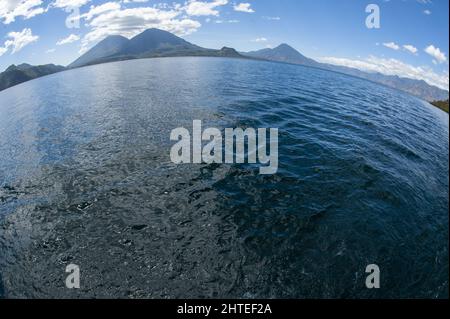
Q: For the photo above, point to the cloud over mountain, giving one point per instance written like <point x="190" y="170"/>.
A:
<point x="113" y="19"/>
<point x="393" y="67"/>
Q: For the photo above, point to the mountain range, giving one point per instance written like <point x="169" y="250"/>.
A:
<point x="148" y="44"/>
<point x="282" y="53"/>
<point x="158" y="43"/>
<point x="286" y="54"/>
<point x="16" y="74"/>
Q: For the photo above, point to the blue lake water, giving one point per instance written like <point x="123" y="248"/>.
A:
<point x="86" y="178"/>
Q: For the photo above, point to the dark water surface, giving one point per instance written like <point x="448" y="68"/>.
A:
<point x="86" y="178"/>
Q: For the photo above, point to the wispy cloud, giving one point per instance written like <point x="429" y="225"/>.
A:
<point x="203" y="8"/>
<point x="11" y="9"/>
<point x="261" y="39"/>
<point x="70" y="39"/>
<point x="271" y="18"/>
<point x="18" y="40"/>
<point x="69" y="3"/>
<point x="412" y="49"/>
<point x="394" y="46"/>
<point x="226" y="21"/>
<point x="3" y="50"/>
<point x="97" y="10"/>
<point x="391" y="45"/>
<point x="135" y="1"/>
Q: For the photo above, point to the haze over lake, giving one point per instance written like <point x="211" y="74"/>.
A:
<point x="86" y="178"/>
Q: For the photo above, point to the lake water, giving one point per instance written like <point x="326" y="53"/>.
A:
<point x="86" y="178"/>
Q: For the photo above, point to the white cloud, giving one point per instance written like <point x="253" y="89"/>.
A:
<point x="243" y="7"/>
<point x="391" y="45"/>
<point x="262" y="39"/>
<point x="427" y="12"/>
<point x="96" y="10"/>
<point x="436" y="53"/>
<point x="50" y="51"/>
<point x="135" y="1"/>
<point x="132" y="21"/>
<point x="226" y="21"/>
<point x="393" y="67"/>
<point x="70" y="39"/>
<point x="18" y="40"/>
<point x="3" y="51"/>
<point x="410" y="48"/>
<point x="272" y="18"/>
<point x="69" y="3"/>
<point x="203" y="8"/>
<point x="10" y="9"/>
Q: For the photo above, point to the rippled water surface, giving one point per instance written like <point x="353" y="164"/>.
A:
<point x="86" y="178"/>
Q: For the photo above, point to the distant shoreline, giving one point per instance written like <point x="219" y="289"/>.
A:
<point x="443" y="105"/>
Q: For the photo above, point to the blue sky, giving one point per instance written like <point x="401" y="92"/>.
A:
<point x="412" y="40"/>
